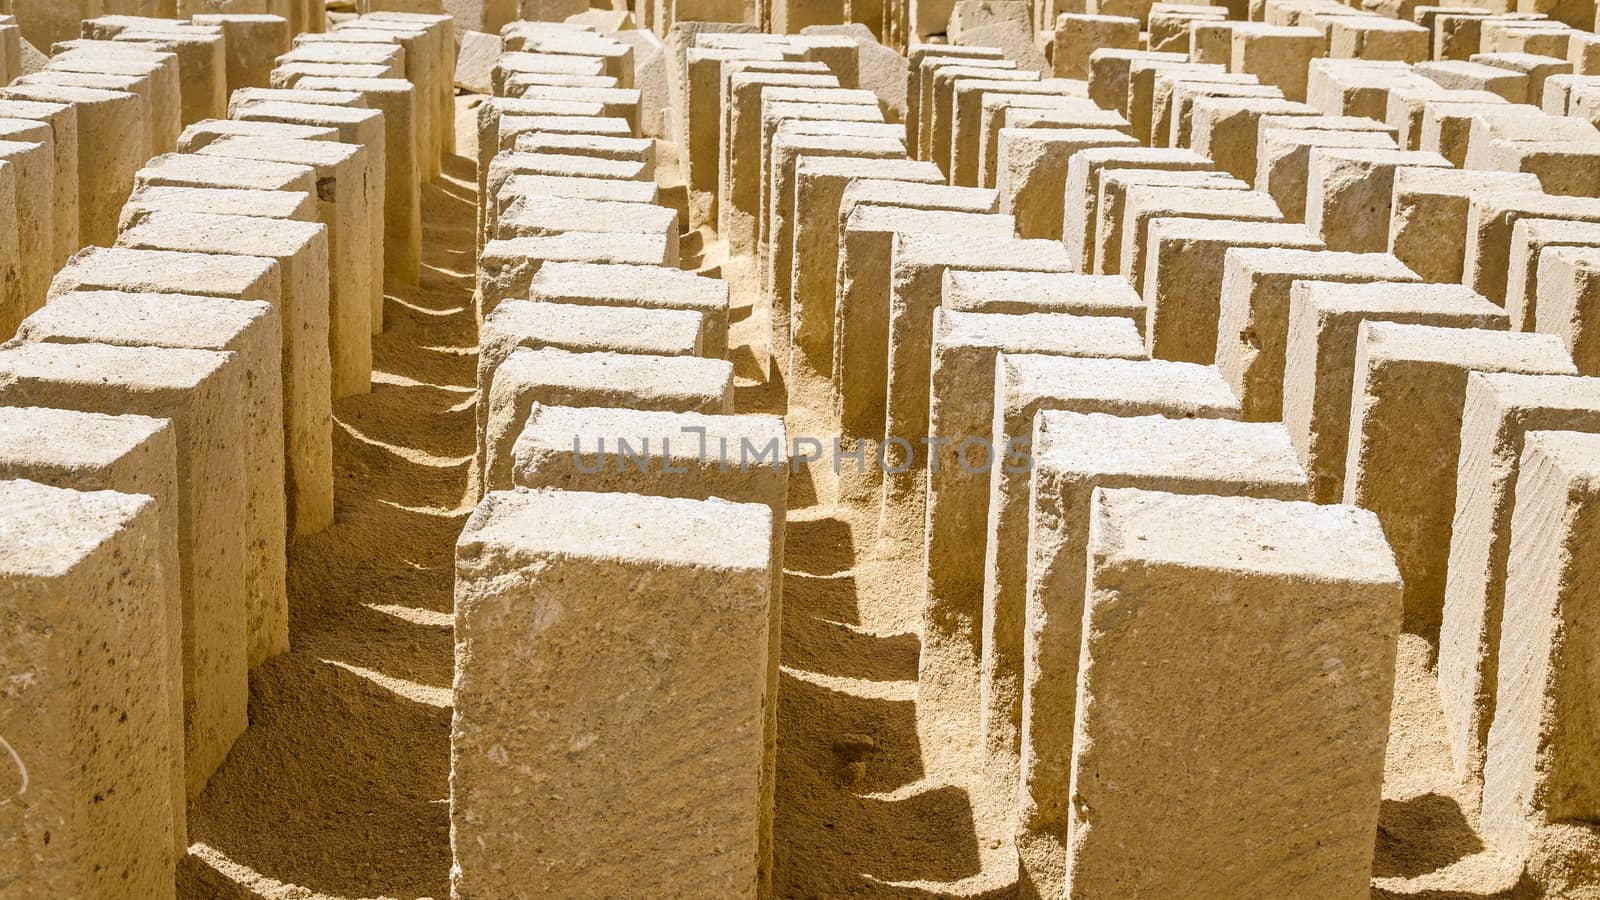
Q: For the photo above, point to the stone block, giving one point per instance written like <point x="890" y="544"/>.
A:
<point x="944" y="135"/>
<point x="1405" y="430"/>
<point x="1491" y="216"/>
<point x="105" y="158"/>
<point x="980" y="111"/>
<point x="536" y="215"/>
<point x="1276" y="55"/>
<point x="202" y="60"/>
<point x="1349" y="194"/>
<point x="1428" y="220"/>
<point x="1563" y="167"/>
<point x="1567" y="309"/>
<point x="1036" y="111"/>
<point x="522" y="544"/>
<point x="739" y="198"/>
<point x="1073" y="454"/>
<point x="1109" y="72"/>
<point x="1166" y="101"/>
<point x="1253" y="322"/>
<point x="1356" y="87"/>
<point x="198" y="390"/>
<point x="1031" y="173"/>
<point x="1016" y="293"/>
<point x="1529" y="238"/>
<point x="1447" y="127"/>
<point x="1142" y="75"/>
<point x="1185" y="264"/>
<point x="506" y="267"/>
<point x="252" y="42"/>
<point x="1275" y="588"/>
<point x="1111" y="206"/>
<point x="547" y="376"/>
<point x="1409" y="102"/>
<point x="153" y="76"/>
<point x="1082" y="189"/>
<point x="1374" y="37"/>
<point x="1146" y="203"/>
<point x="928" y="120"/>
<point x="1077" y="36"/>
<point x="62" y="121"/>
<point x="85" y="620"/>
<point x="1227" y="129"/>
<point x="644" y="287"/>
<point x="1501" y="413"/>
<point x="1537" y="68"/>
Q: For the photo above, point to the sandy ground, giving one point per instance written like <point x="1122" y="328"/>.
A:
<point x="340" y="787"/>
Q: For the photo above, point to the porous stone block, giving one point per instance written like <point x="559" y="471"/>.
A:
<point x="300" y="250"/>
<point x="1501" y="412"/>
<point x="1428" y="219"/>
<point x="976" y="67"/>
<point x="1459" y="75"/>
<point x="1568" y="291"/>
<point x="1082" y="189"/>
<point x="145" y="129"/>
<point x="1349" y="193"/>
<point x="862" y="316"/>
<point x="641" y="286"/>
<point x="981" y="109"/>
<point x="253" y="41"/>
<point x="202" y="133"/>
<point x="1491" y="216"/>
<point x="1320" y="358"/>
<point x="105" y="159"/>
<point x="1529" y="238"/>
<point x="1253" y="321"/>
<point x="133" y="455"/>
<point x="1275" y="589"/>
<point x="1563" y="167"/>
<point x="552" y="377"/>
<point x="1077" y="36"/>
<point x="700" y="127"/>
<point x="506" y="267"/>
<point x="1111" y="205"/>
<point x="1540" y="767"/>
<point x="198" y="390"/>
<point x="1405" y="437"/>
<point x="62" y="120"/>
<point x="290" y="205"/>
<point x="1356" y="87"/>
<point x="510" y="164"/>
<point x="921" y="55"/>
<point x="1262" y="98"/>
<point x="1277" y="55"/>
<point x="533" y="215"/>
<point x="1073" y="454"/>
<point x="1142" y="74"/>
<point x="1447" y="127"/>
<point x="1185" y="261"/>
<point x="250" y="330"/>
<point x="1166" y="100"/>
<point x="1147" y="203"/>
<point x="739" y="197"/>
<point x="1227" y="129"/>
<point x="1012" y="292"/>
<point x="344" y="205"/>
<point x="710" y="722"/>
<point x="87" y="719"/>
<point x="1408" y="103"/>
<point x="1375" y="37"/>
<point x="1109" y="71"/>
<point x="202" y="58"/>
<point x="1031" y="173"/>
<point x="154" y="77"/>
<point x="1536" y="67"/>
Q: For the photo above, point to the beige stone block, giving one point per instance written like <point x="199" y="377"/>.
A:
<point x="1227" y="129"/>
<point x="1074" y="454"/>
<point x="1025" y="386"/>
<point x="700" y="106"/>
<point x="1185" y="264"/>
<point x="506" y="267"/>
<point x="1348" y="87"/>
<point x="615" y="56"/>
<point x="619" y="102"/>
<point x="1274" y="589"/>
<point x="943" y="136"/>
<point x="862" y="314"/>
<point x="202" y="61"/>
<point x="535" y="215"/>
<point x="251" y="331"/>
<point x="1405" y="429"/>
<point x="198" y="391"/>
<point x="1537" y="68"/>
<point x="422" y="64"/>
<point x="1166" y="104"/>
<point x="511" y="164"/>
<point x="1028" y="110"/>
<point x="155" y="74"/>
<point x="105" y="158"/>
<point x="1540" y="767"/>
<point x="1253" y="322"/>
<point x="85" y="612"/>
<point x="1563" y="167"/>
<point x="1018" y="292"/>
<point x="521" y="544"/>
<point x="1529" y="238"/>
<point x="253" y="41"/>
<point x="202" y="133"/>
<point x="1491" y="216"/>
<point x="920" y="125"/>
<point x="1409" y="102"/>
<point x="1567" y="291"/>
<point x="175" y="170"/>
<point x="1146" y="203"/>
<point x="1082" y="189"/>
<point x="920" y="56"/>
<point x="1447" y="127"/>
<point x="980" y="111"/>
<point x="643" y="287"/>
<point x="62" y="120"/>
<point x="1428" y="221"/>
<point x="1110" y="70"/>
<point x="1031" y="173"/>
<point x="344" y="197"/>
<point x="300" y="250"/>
<point x="1111" y="205"/>
<point x="145" y="129"/>
<point x="28" y="247"/>
<point x="1501" y="412"/>
<point x="1186" y="94"/>
<point x="739" y="197"/>
<point x="548" y="376"/>
<point x="1373" y="37"/>
<point x="1349" y="194"/>
<point x="1320" y="357"/>
<point x="1077" y="36"/>
<point x="1141" y="90"/>
<point x="1276" y="55"/>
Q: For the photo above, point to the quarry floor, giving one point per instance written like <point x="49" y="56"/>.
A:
<point x="340" y="787"/>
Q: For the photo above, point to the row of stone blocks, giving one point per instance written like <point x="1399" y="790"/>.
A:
<point x="627" y="528"/>
<point x="1370" y="386"/>
<point x="170" y="406"/>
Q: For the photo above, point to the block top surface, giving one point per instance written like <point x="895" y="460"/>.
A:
<point x="71" y="439"/>
<point x="170" y="320"/>
<point x="909" y="170"/>
<point x="139" y="368"/>
<point x="1388" y="296"/>
<point x="980" y="252"/>
<point x="321" y="154"/>
<point x="1575" y="453"/>
<point x="1204" y="449"/>
<point x="573" y="325"/>
<point x="918" y="194"/>
<point x="1039" y="333"/>
<point x="1439" y="181"/>
<point x="261" y="203"/>
<point x="1129" y="384"/>
<point x="651" y="375"/>
<point x="628" y="528"/>
<point x="566" y="429"/>
<point x="965" y="287"/>
<point x="45" y="531"/>
<point x="602" y="280"/>
<point x="1275" y="538"/>
<point x="180" y="272"/>
<point x="873" y="217"/>
<point x="1245" y="231"/>
<point x="648" y="249"/>
<point x="1464" y="348"/>
<point x="189" y="168"/>
<point x="1519" y="390"/>
<point x="219" y="234"/>
<point x="1256" y="262"/>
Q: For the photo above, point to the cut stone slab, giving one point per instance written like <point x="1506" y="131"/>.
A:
<point x="1253" y="322"/>
<point x="1405" y="437"/>
<point x="1428" y="220"/>
<point x="1146" y="203"/>
<point x="1408" y="104"/>
<point x="1320" y="358"/>
<point x="1029" y="110"/>
<point x="1078" y="36"/>
<point x="1277" y="55"/>
<point x="155" y="79"/>
<point x="202" y="57"/>
<point x="85" y="617"/>
<point x="198" y="390"/>
<point x="979" y="106"/>
<point x="1227" y="129"/>
<point x="1502" y="411"/>
<point x="133" y="455"/>
<point x="1073" y="455"/>
<point x="551" y="377"/>
<point x="1319" y="580"/>
<point x="1082" y="189"/>
<point x="145" y="118"/>
<point x="62" y="120"/>
<point x="1568" y="293"/>
<point x="1111" y="206"/>
<point x="1031" y="173"/>
<point x="1349" y="194"/>
<point x="1491" y="216"/>
<point x="105" y="159"/>
<point x="252" y="41"/>
<point x="1540" y="767"/>
<point x="1529" y="238"/>
<point x="295" y="206"/>
<point x="1012" y="292"/>
<point x="202" y="133"/>
<point x="1109" y="70"/>
<point x="532" y="215"/>
<point x="519" y="545"/>
<point x="506" y="267"/>
<point x="644" y="287"/>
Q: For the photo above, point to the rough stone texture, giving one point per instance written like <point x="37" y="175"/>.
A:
<point x="1031" y="173"/>
<point x="86" y="716"/>
<point x="1110" y="207"/>
<point x="1276" y="55"/>
<point x="1148" y="203"/>
<point x="1428" y="219"/>
<point x="1405" y="437"/>
<point x="1074" y="454"/>
<point x="1500" y="413"/>
<point x="1251" y="618"/>
<point x="62" y="120"/>
<point x="506" y="267"/>
<point x="197" y="390"/>
<point x="683" y="725"/>
<point x="646" y="287"/>
<point x="1529" y="239"/>
<point x="1349" y="194"/>
<point x="105" y="159"/>
<point x="1491" y="216"/>
<point x="1541" y="757"/>
<point x="1320" y="359"/>
<point x="1082" y="189"/>
<point x="1569" y="288"/>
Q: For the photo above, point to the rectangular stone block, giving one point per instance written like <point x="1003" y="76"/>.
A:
<point x="1031" y="173"/>
<point x="1491" y="216"/>
<point x="1110" y="207"/>
<point x="1501" y="413"/>
<point x="1567" y="303"/>
<point x="133" y="455"/>
<point x="1141" y="91"/>
<point x="62" y="120"/>
<point x="1146" y="203"/>
<point x="1375" y="37"/>
<point x="1021" y="110"/>
<point x="533" y="215"/>
<point x="1409" y="103"/>
<point x="1540" y="767"/>
<point x="552" y="377"/>
<point x="1003" y="291"/>
<point x="1405" y="437"/>
<point x="920" y="56"/>
<point x="1082" y="189"/>
<point x="1279" y="56"/>
<point x="198" y="390"/>
<point x="1349" y="194"/>
<point x="1077" y="36"/>
<point x="1073" y="454"/>
<point x="1185" y="261"/>
<point x="1529" y="238"/>
<point x="1253" y="321"/>
<point x="1226" y="129"/>
<point x="152" y="76"/>
<point x="344" y="197"/>
<point x="252" y="42"/>
<point x="1428" y="219"/>
<point x="144" y="120"/>
<point x="925" y="74"/>
<point x="1536" y="67"/>
<point x="1320" y="359"/>
<point x="300" y="250"/>
<point x="739" y="197"/>
<point x="202" y="58"/>
<point x="105" y="158"/>
<point x="1109" y="71"/>
<point x="293" y="206"/>
<point x="641" y="286"/>
<point x="250" y="330"/>
<point x="88" y="728"/>
<point x="1276" y="588"/>
<point x="192" y="170"/>
<point x="710" y="724"/>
